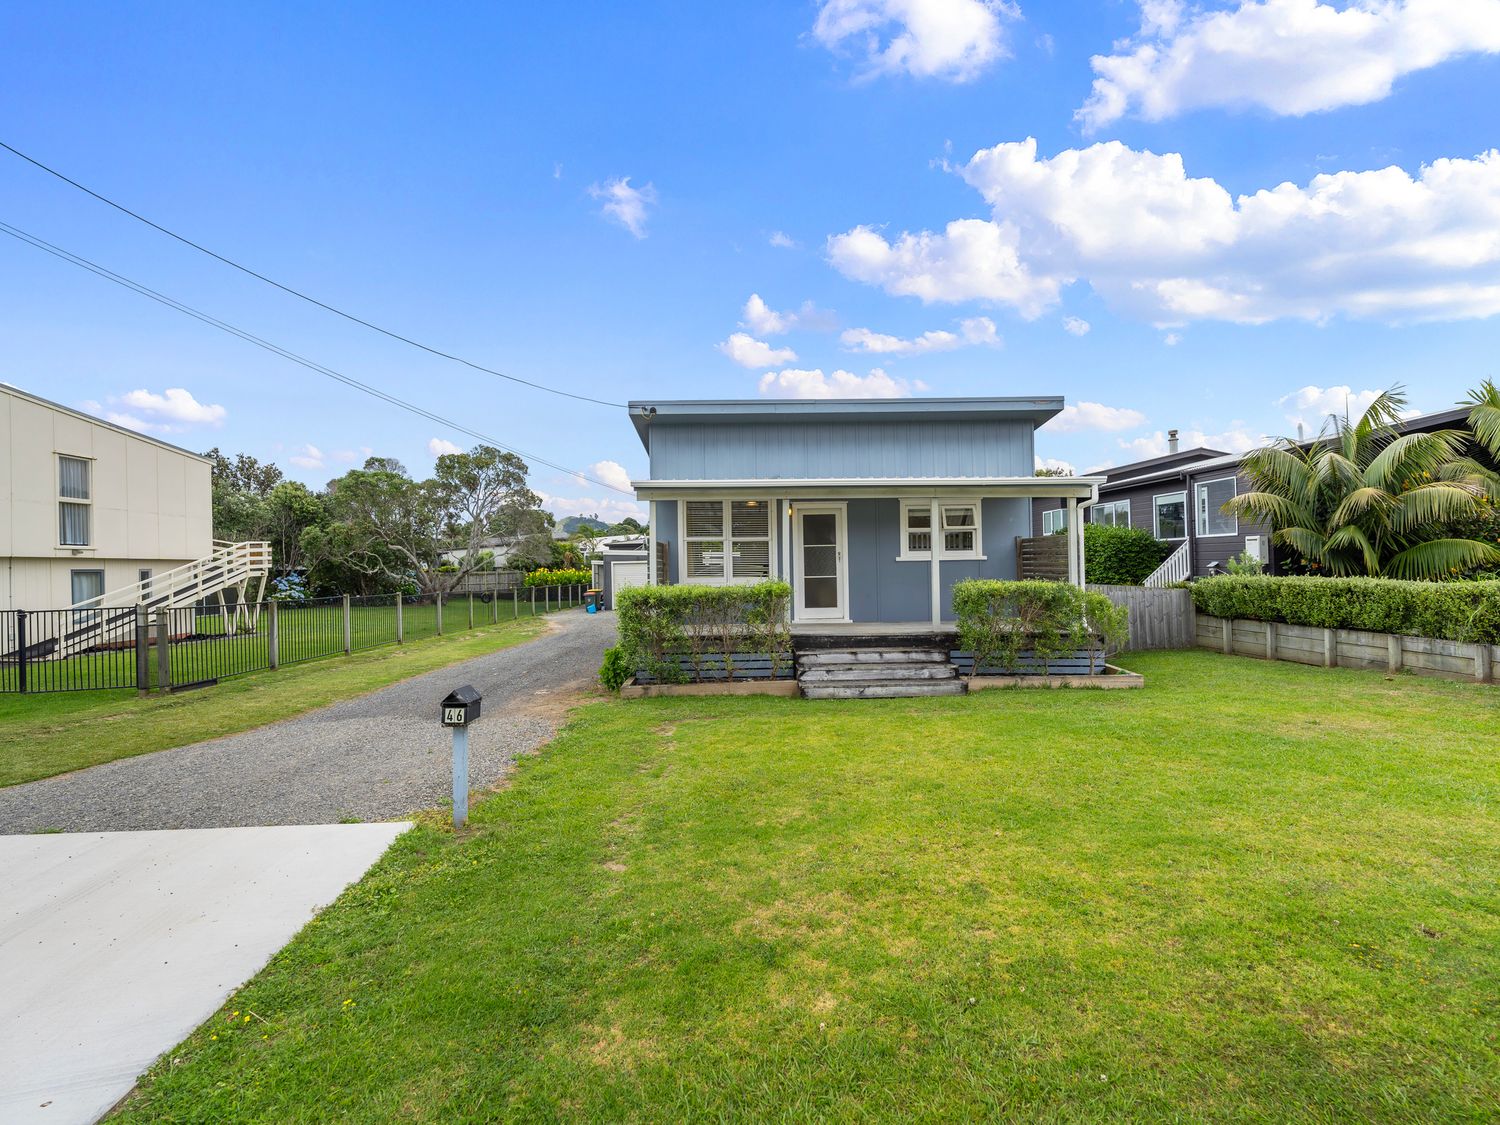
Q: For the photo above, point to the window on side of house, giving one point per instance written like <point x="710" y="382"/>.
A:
<point x="1212" y="496"/>
<point x="74" y="501"/>
<point x="1054" y="521"/>
<point x="1115" y="513"/>
<point x="958" y="531"/>
<point x="1169" y="515"/>
<point x="727" y="540"/>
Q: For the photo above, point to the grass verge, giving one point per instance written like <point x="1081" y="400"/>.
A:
<point x="1252" y="891"/>
<point x="45" y="735"/>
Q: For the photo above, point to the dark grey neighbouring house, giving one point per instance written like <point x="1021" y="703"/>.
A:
<point x="871" y="509"/>
<point x="1179" y="497"/>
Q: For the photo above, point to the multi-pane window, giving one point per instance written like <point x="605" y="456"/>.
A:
<point x="74" y="500"/>
<point x="727" y="540"/>
<point x="1116" y="513"/>
<point x="1212" y="496"/>
<point x="1170" y="515"/>
<point x="958" y="528"/>
<point x="1054" y="520"/>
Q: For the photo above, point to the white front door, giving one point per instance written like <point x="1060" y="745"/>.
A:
<point x="822" y="573"/>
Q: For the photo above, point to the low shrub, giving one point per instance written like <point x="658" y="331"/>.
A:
<point x="1121" y="556"/>
<point x="548" y="577"/>
<point x="616" y="671"/>
<point x="1454" y="611"/>
<point x="706" y="625"/>
<point x="998" y="621"/>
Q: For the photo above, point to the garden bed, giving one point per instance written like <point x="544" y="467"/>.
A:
<point x="784" y="687"/>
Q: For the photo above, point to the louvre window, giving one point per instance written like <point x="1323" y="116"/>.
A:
<point x="727" y="540"/>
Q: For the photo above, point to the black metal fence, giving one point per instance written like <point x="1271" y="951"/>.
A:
<point x="127" y="648"/>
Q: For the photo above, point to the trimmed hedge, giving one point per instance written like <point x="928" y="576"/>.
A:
<point x="672" y="633"/>
<point x="1452" y="611"/>
<point x="999" y="621"/>
<point x="1121" y="556"/>
<point x="566" y="577"/>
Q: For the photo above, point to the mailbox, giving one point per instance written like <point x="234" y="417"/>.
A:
<point x="461" y="707"/>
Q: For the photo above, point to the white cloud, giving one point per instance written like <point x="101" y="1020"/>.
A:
<point x="784" y="241"/>
<point x="1290" y="57"/>
<point x="972" y="260"/>
<point x="1171" y="249"/>
<point x="792" y="383"/>
<point x="1172" y="339"/>
<point x="624" y="204"/>
<point x="438" y="446"/>
<point x="975" y="331"/>
<point x="1311" y="406"/>
<point x="173" y="411"/>
<point x="954" y="40"/>
<point x="747" y="351"/>
<point x="311" y="457"/>
<point x="611" y="507"/>
<point x="763" y="320"/>
<point x="1075" y="326"/>
<point x="1056" y="464"/>
<point x="1080" y="416"/>
<point x="1236" y="439"/>
<point x="611" y="473"/>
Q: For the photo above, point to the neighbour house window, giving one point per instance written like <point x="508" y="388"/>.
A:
<point x="1114" y="514"/>
<point x="74" y="500"/>
<point x="1212" y="496"/>
<point x="741" y="555"/>
<point x="1054" y="521"/>
<point x="1170" y="515"/>
<point x="87" y="585"/>
<point x="958" y="528"/>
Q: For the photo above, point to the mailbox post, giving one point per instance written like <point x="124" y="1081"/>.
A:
<point x="459" y="710"/>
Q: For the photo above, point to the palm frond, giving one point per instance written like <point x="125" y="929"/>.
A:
<point x="1437" y="502"/>
<point x="1484" y="415"/>
<point x="1412" y="458"/>
<point x="1280" y="468"/>
<point x="1306" y="541"/>
<point x="1361" y="501"/>
<point x="1469" y="472"/>
<point x="1442" y="558"/>
<point x="1269" y="507"/>
<point x="1351" y="540"/>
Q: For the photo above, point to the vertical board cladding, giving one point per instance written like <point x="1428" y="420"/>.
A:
<point x="809" y="450"/>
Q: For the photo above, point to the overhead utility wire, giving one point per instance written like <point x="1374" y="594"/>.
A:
<point x="250" y="337"/>
<point x="300" y="295"/>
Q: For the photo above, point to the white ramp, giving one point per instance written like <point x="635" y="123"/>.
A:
<point x="115" y="945"/>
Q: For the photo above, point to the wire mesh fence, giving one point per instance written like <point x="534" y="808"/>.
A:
<point x="82" y="650"/>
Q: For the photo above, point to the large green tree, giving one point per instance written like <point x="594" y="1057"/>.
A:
<point x="1366" y="499"/>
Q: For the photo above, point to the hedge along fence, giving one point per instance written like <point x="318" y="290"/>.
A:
<point x="702" y="634"/>
<point x="564" y="577"/>
<point x="1034" y="627"/>
<point x="1121" y="556"/>
<point x="1453" y="611"/>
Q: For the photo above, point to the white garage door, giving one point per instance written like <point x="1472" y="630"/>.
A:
<point x="623" y="575"/>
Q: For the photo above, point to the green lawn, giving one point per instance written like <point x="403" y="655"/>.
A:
<point x="1251" y="891"/>
<point x="44" y="735"/>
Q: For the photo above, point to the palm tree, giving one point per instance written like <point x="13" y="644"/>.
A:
<point x="1484" y="416"/>
<point x="1365" y="499"/>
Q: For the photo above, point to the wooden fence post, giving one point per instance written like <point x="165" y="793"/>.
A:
<point x="273" y="636"/>
<point x="1482" y="663"/>
<point x="348" y="638"/>
<point x="400" y="621"/>
<point x="1330" y="649"/>
<point x="471" y="609"/>
<point x="437" y="600"/>
<point x="1228" y="636"/>
<point x="1393" y="652"/>
<point x="1270" y="640"/>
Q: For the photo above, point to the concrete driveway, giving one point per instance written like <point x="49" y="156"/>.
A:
<point x="376" y="757"/>
<point x="115" y="945"/>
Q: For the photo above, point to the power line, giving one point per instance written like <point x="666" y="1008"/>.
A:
<point x="277" y="349"/>
<point x="299" y="294"/>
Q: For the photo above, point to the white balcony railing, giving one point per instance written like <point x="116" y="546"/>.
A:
<point x="1177" y="568"/>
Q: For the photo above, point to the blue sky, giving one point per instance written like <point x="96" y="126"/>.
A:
<point x="450" y="176"/>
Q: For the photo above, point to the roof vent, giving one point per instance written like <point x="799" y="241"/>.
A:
<point x="1171" y="441"/>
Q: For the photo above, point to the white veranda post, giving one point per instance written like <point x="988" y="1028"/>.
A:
<point x="935" y="537"/>
<point x="651" y="543"/>
<point x="1075" y="544"/>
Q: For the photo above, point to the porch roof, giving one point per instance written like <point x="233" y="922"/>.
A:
<point x="1083" y="488"/>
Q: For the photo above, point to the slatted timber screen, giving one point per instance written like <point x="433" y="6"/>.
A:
<point x="1158" y="618"/>
<point x="1042" y="556"/>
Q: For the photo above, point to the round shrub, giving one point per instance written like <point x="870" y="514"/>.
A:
<point x="616" y="671"/>
<point x="1121" y="556"/>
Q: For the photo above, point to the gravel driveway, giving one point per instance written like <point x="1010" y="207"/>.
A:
<point x="371" y="758"/>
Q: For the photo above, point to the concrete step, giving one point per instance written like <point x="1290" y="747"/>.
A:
<point x="883" y="690"/>
<point x="867" y="656"/>
<point x="881" y="673"/>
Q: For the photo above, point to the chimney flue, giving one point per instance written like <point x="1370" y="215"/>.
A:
<point x="1171" y="441"/>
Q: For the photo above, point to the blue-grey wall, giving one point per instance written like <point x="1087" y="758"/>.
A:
<point x="792" y="450"/>
<point x="883" y="588"/>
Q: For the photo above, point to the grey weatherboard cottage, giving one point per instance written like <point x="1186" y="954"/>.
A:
<point x="846" y="500"/>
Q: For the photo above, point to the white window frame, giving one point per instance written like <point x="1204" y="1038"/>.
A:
<point x="86" y="502"/>
<point x="1200" y="494"/>
<point x="728" y="539"/>
<point x="1156" y="515"/>
<point x="1054" y="520"/>
<point x="1113" y="506"/>
<point x="907" y="554"/>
